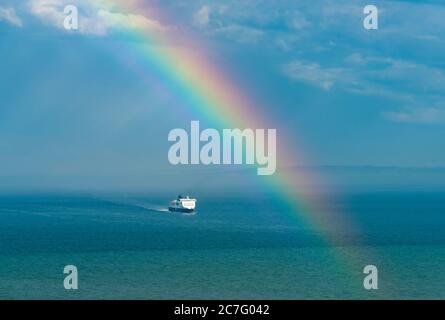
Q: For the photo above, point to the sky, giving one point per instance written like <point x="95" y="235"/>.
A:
<point x="77" y="110"/>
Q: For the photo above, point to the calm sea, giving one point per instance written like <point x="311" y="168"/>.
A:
<point x="130" y="247"/>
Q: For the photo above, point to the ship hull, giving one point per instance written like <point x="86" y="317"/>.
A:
<point x="185" y="210"/>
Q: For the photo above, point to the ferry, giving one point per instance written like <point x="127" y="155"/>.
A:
<point x="182" y="204"/>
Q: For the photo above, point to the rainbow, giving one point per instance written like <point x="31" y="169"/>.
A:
<point x="210" y="92"/>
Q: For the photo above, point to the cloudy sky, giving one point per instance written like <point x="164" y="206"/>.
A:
<point x="75" y="109"/>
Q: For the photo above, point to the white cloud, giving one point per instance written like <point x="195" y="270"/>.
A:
<point x="286" y="42"/>
<point x="395" y="79"/>
<point x="237" y="21"/>
<point x="131" y="21"/>
<point x="239" y="33"/>
<point x="299" y="21"/>
<point x="202" y="16"/>
<point x="407" y="74"/>
<point x="51" y="11"/>
<point x="9" y="15"/>
<point x="96" y="18"/>
<point x="314" y="74"/>
<point x="373" y="76"/>
<point x="417" y="115"/>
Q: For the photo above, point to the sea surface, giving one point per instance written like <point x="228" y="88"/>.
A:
<point x="131" y="247"/>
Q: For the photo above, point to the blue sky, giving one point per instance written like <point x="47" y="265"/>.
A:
<point x="74" y="112"/>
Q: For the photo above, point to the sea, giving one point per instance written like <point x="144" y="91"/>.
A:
<point x="128" y="246"/>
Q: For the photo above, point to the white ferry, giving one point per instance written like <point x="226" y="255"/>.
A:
<point x="182" y="204"/>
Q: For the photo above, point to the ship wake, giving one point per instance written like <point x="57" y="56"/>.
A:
<point x="145" y="205"/>
<point x="138" y="204"/>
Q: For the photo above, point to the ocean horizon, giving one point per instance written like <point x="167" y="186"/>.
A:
<point x="131" y="247"/>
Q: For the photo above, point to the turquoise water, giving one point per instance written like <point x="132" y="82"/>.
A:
<point x="128" y="247"/>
